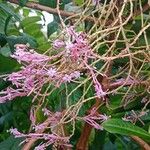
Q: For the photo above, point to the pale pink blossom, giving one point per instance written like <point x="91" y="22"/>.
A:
<point x="58" y="44"/>
<point x="32" y="116"/>
<point x="51" y="72"/>
<point x="40" y="147"/>
<point x="66" y="78"/>
<point x="49" y="138"/>
<point x="75" y="74"/>
<point x="94" y="117"/>
<point x="10" y="94"/>
<point x="40" y="126"/>
<point x="23" y="55"/>
<point x="15" y="132"/>
<point x="46" y="112"/>
<point x="78" y="48"/>
<point x="95" y="2"/>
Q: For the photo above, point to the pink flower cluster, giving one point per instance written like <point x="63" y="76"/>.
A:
<point x="76" y="46"/>
<point x="95" y="119"/>
<point x="50" y="138"/>
<point x="52" y="121"/>
<point x="10" y="94"/>
<point x="36" y="72"/>
<point x="40" y="69"/>
<point x="22" y="54"/>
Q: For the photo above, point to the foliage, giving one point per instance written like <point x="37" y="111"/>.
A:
<point x="82" y="83"/>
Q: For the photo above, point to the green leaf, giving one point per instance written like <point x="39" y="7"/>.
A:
<point x="11" y="144"/>
<point x="8" y="117"/>
<point x="51" y="3"/>
<point x="9" y="11"/>
<point x="51" y="28"/>
<point x="5" y="51"/>
<point x="109" y="145"/>
<point x="7" y="23"/>
<point x="29" y="20"/>
<point x="7" y="64"/>
<point x="79" y="2"/>
<point x="22" y="2"/>
<point x="23" y="39"/>
<point x="3" y="40"/>
<point x="125" y="128"/>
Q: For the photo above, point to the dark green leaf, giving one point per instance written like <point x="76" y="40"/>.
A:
<point x="51" y="3"/>
<point x="11" y="144"/>
<point x="51" y="28"/>
<point x="22" y="2"/>
<point x="125" y="128"/>
<point x="7" y="23"/>
<point x="3" y="40"/>
<point x="7" y="64"/>
<point x="8" y="10"/>
<point x="23" y="39"/>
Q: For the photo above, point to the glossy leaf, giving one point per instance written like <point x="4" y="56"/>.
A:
<point x="125" y="128"/>
<point x="51" y="28"/>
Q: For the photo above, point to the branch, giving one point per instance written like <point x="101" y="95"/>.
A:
<point x="37" y="6"/>
<point x="116" y="84"/>
<point x="83" y="140"/>
<point x="142" y="143"/>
